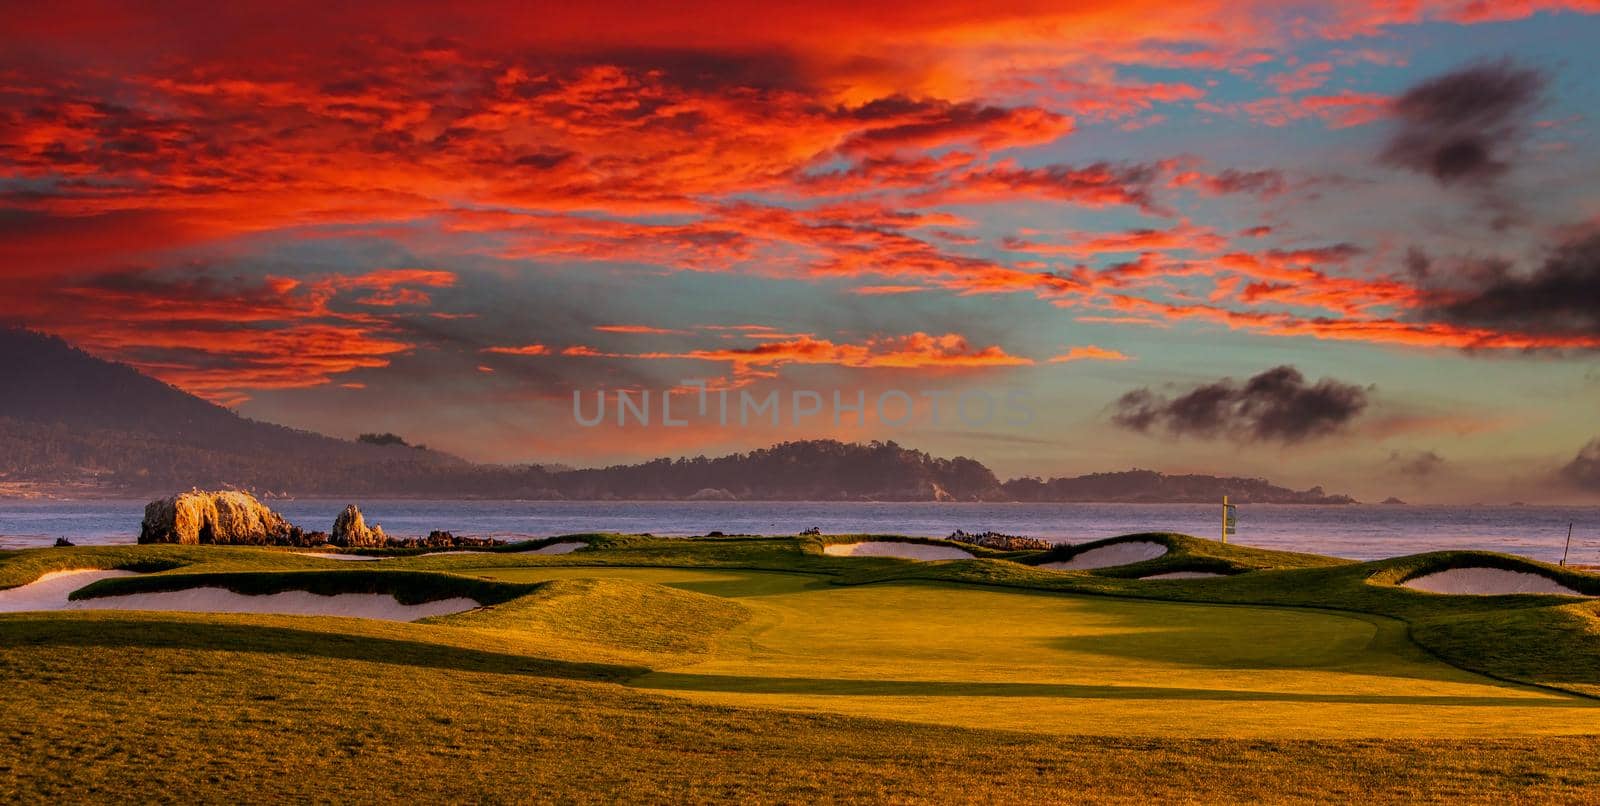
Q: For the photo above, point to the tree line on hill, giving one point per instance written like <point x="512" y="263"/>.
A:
<point x="72" y="420"/>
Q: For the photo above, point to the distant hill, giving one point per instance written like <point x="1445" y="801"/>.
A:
<point x="1148" y="486"/>
<point x="68" y="419"/>
<point x="73" y="423"/>
<point x="810" y="470"/>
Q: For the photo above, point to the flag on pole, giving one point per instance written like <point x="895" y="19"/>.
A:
<point x="1230" y="520"/>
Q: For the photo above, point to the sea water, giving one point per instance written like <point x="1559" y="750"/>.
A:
<point x="1359" y="532"/>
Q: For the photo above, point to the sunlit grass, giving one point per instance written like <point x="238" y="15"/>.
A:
<point x="760" y="669"/>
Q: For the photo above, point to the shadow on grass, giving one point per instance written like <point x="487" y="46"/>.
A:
<point x="143" y="632"/>
<point x="675" y="681"/>
<point x="728" y="583"/>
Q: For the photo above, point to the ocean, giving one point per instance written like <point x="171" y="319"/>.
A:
<point x="1360" y="532"/>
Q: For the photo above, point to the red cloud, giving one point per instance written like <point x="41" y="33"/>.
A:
<point x="1339" y="110"/>
<point x="221" y="338"/>
<point x="844" y="140"/>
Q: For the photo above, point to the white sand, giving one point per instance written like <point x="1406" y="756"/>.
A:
<point x="1184" y="575"/>
<point x="289" y="603"/>
<point x="446" y="553"/>
<point x="328" y="555"/>
<point x="894" y="548"/>
<point x="50" y="591"/>
<point x="1487" y="582"/>
<point x="1127" y="552"/>
<point x="564" y="547"/>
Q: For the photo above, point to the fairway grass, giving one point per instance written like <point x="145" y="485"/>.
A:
<point x="763" y="669"/>
<point x="976" y="657"/>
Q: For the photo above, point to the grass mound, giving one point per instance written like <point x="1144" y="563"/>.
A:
<point x="1554" y="646"/>
<point x="1185" y="553"/>
<point x="616" y="619"/>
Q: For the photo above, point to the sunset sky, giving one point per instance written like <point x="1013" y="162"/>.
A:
<point x="442" y="224"/>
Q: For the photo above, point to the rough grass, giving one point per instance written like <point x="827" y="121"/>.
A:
<point x="1554" y="646"/>
<point x="139" y="707"/>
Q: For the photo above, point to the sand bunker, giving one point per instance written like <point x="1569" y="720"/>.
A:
<point x="892" y="548"/>
<point x="288" y="603"/>
<point x="1127" y="552"/>
<point x="564" y="547"/>
<point x="1184" y="575"/>
<point x="50" y="592"/>
<point x="1484" y="581"/>
<point x="328" y="555"/>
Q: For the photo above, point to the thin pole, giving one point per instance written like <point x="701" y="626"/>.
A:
<point x="1569" y="545"/>
<point x="1224" y="518"/>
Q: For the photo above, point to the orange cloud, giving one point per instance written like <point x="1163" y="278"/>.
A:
<point x="526" y="349"/>
<point x="638" y="330"/>
<point x="1090" y="353"/>
<point x="912" y="351"/>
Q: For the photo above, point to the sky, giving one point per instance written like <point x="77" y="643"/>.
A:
<point x="1354" y="245"/>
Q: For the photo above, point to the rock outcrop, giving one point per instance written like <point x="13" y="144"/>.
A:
<point x="1002" y="542"/>
<point x="350" y="531"/>
<point x="229" y="518"/>
<point x="440" y="539"/>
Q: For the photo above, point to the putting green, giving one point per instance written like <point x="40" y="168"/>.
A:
<point x="1062" y="664"/>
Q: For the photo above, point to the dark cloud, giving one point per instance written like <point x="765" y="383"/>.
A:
<point x="1094" y="184"/>
<point x="1277" y="406"/>
<point x="708" y="70"/>
<point x="1418" y="465"/>
<point x="1584" y="470"/>
<point x="1462" y="126"/>
<point x="1265" y="183"/>
<point x="1559" y="299"/>
<point x="900" y="122"/>
<point x="1418" y="265"/>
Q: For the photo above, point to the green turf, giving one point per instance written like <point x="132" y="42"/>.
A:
<point x="759" y="668"/>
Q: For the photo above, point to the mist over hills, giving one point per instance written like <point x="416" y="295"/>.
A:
<point x="74" y="424"/>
